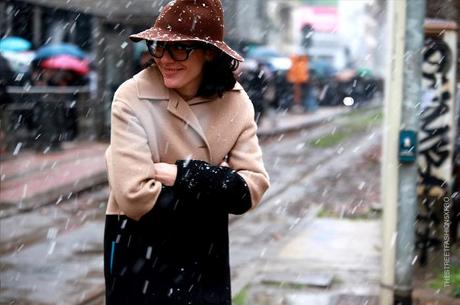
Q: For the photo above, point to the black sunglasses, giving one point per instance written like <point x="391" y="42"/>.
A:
<point x="177" y="51"/>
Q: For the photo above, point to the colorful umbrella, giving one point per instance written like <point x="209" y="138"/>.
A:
<point x="66" y="62"/>
<point x="59" y="49"/>
<point x="19" y="61"/>
<point x="15" y="44"/>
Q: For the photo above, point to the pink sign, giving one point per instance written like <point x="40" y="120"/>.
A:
<point x="322" y="18"/>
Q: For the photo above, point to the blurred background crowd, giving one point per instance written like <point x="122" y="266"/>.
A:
<point x="300" y="55"/>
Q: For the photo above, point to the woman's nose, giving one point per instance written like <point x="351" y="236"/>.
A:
<point x="166" y="58"/>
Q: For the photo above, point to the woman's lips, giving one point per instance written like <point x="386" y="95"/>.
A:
<point x="171" y="70"/>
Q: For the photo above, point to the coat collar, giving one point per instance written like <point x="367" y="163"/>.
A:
<point x="150" y="86"/>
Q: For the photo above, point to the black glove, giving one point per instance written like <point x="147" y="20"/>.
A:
<point x="212" y="187"/>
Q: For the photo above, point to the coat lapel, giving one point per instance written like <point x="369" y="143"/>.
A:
<point x="181" y="109"/>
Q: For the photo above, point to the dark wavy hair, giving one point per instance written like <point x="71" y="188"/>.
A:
<point x="218" y="76"/>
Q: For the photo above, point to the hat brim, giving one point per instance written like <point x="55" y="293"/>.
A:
<point x="158" y="35"/>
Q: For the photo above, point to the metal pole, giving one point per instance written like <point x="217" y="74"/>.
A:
<point x="3" y="19"/>
<point x="99" y="83"/>
<point x="396" y="14"/>
<point x="9" y="19"/>
<point x="408" y="174"/>
<point x="37" y="29"/>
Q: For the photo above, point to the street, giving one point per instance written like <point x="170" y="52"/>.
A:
<point x="53" y="254"/>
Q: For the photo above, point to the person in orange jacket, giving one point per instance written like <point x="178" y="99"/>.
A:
<point x="304" y="89"/>
<point x="298" y="75"/>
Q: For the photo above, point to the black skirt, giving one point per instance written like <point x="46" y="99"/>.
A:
<point x="176" y="254"/>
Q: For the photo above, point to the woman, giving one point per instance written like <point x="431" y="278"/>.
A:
<point x="183" y="155"/>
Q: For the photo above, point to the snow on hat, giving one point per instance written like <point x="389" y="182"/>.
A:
<point x="195" y="20"/>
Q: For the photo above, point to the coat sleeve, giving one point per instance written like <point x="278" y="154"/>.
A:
<point x="246" y="158"/>
<point x="129" y="162"/>
<point x="236" y="188"/>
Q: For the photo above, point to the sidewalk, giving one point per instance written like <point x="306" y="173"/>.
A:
<point x="30" y="180"/>
<point x="324" y="261"/>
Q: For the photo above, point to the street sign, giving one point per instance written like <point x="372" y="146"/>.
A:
<point x="407" y="146"/>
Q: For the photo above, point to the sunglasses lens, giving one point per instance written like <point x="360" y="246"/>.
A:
<point x="177" y="51"/>
<point x="156" y="49"/>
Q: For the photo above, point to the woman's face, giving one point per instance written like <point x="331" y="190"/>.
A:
<point x="183" y="76"/>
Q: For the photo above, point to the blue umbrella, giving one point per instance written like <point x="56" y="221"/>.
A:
<point x="15" y="44"/>
<point x="59" y="49"/>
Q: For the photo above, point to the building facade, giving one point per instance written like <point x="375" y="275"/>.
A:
<point x="101" y="29"/>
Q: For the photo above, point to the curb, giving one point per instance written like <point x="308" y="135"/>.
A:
<point x="287" y="129"/>
<point x="54" y="195"/>
<point x="269" y="132"/>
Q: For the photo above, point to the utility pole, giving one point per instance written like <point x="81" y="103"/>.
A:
<point x="408" y="173"/>
<point x="392" y="118"/>
<point x="399" y="171"/>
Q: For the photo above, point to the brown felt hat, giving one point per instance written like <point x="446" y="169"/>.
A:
<point x="196" y="20"/>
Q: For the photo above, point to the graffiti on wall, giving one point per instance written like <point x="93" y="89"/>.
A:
<point x="435" y="139"/>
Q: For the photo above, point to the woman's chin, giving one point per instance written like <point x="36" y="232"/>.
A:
<point x="171" y="84"/>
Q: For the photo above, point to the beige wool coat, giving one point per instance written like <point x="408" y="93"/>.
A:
<point x="151" y="123"/>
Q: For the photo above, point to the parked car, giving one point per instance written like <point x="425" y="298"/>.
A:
<point x="360" y="85"/>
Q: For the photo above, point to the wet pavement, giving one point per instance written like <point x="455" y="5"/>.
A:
<point x="40" y="277"/>
<point x="53" y="255"/>
<point x="326" y="259"/>
<point x="32" y="179"/>
<point x="282" y="253"/>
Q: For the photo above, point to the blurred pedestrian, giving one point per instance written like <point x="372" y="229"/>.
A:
<point x="298" y="75"/>
<point x="255" y="82"/>
<point x="67" y="112"/>
<point x="6" y="79"/>
<point x="310" y="95"/>
<point x="183" y="155"/>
